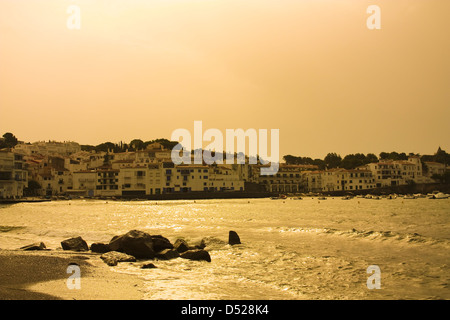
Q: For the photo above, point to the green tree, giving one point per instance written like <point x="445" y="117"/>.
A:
<point x="442" y="178"/>
<point x="370" y="158"/>
<point x="105" y="146"/>
<point x="10" y="141"/>
<point x="137" y="144"/>
<point x="332" y="160"/>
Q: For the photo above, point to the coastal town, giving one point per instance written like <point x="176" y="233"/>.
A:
<point x="63" y="169"/>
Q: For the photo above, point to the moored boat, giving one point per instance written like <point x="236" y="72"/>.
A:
<point x="439" y="195"/>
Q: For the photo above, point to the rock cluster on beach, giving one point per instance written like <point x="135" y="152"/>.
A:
<point x="139" y="245"/>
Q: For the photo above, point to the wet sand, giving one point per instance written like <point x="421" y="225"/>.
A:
<point x="42" y="275"/>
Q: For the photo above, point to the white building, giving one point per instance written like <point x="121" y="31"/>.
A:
<point x="55" y="181"/>
<point x="13" y="176"/>
<point x="288" y="179"/>
<point x="136" y="180"/>
<point x="65" y="148"/>
<point x="397" y="172"/>
<point x="84" y="183"/>
<point x="435" y="168"/>
<point x="347" y="180"/>
<point x="313" y="181"/>
<point x="225" y="178"/>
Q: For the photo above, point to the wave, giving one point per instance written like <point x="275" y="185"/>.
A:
<point x="372" y="235"/>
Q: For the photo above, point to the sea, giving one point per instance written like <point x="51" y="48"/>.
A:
<point x="291" y="249"/>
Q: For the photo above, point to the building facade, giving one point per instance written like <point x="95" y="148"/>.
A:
<point x="13" y="175"/>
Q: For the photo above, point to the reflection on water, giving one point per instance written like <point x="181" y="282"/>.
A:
<point x="306" y="249"/>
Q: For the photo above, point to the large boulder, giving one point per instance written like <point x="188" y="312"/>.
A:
<point x="74" y="244"/>
<point x="34" y="246"/>
<point x="136" y="243"/>
<point x="197" y="254"/>
<point x="111" y="258"/>
<point x="233" y="238"/>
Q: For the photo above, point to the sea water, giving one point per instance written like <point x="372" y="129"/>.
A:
<point x="291" y="249"/>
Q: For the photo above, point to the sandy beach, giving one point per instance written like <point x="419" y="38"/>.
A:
<point x="42" y="275"/>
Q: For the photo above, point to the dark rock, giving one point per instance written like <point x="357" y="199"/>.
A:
<point x="115" y="244"/>
<point x="74" y="244"/>
<point x="113" y="257"/>
<point x="167" y="254"/>
<point x="34" y="246"/>
<point x="148" y="266"/>
<point x="100" y="248"/>
<point x="136" y="243"/>
<point x="181" y="245"/>
<point x="233" y="238"/>
<point x="160" y="243"/>
<point x="197" y="254"/>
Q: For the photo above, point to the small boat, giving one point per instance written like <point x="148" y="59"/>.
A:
<point x="409" y="197"/>
<point x="347" y="198"/>
<point x="297" y="198"/>
<point x="281" y="196"/>
<point x="376" y="198"/>
<point x="369" y="196"/>
<point x="439" y="195"/>
<point x="322" y="198"/>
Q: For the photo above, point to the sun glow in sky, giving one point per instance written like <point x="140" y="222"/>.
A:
<point x="311" y="68"/>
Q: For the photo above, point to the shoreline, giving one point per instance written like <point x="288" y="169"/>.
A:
<point x="203" y="195"/>
<point x="42" y="275"/>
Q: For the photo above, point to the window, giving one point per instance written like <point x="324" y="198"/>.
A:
<point x="140" y="173"/>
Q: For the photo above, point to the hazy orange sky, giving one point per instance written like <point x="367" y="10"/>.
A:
<point x="311" y="68"/>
